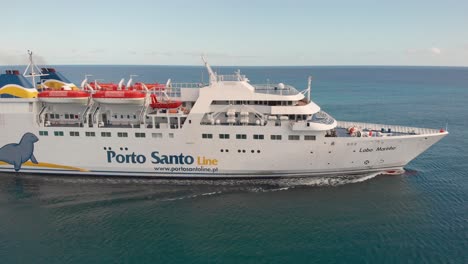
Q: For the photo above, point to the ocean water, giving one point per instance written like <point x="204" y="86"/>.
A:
<point x="420" y="216"/>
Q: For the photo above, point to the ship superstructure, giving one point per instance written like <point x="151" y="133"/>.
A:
<point x="226" y="128"/>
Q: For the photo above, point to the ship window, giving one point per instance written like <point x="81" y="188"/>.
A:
<point x="115" y="116"/>
<point x="121" y="116"/>
<point x="258" y="137"/>
<point x="171" y="135"/>
<point x="134" y="116"/>
<point x="128" y="116"/>
<point x="207" y="135"/>
<point x="122" y="134"/>
<point x="67" y="116"/>
<point x="293" y="137"/>
<point x="105" y="134"/>
<point x="224" y="136"/>
<point x="157" y="135"/>
<point x="241" y="136"/>
<point x="74" y="133"/>
<point x="58" y="133"/>
<point x="140" y="135"/>
<point x="43" y="133"/>
<point x="275" y="137"/>
<point x="309" y="137"/>
<point x="90" y="134"/>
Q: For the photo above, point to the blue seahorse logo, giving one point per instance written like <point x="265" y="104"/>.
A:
<point x="18" y="153"/>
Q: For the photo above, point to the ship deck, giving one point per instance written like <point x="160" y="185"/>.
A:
<point x="380" y="130"/>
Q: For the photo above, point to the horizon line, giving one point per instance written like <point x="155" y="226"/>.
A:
<point x="201" y="65"/>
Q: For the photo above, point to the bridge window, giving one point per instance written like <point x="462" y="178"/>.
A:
<point x="105" y="134"/>
<point x="43" y="133"/>
<point x="122" y="134"/>
<point x="74" y="133"/>
<point x="90" y="134"/>
<point x="207" y="135"/>
<point x="224" y="136"/>
<point x="58" y="133"/>
<point x="309" y="137"/>
<point x="140" y="135"/>
<point x="293" y="137"/>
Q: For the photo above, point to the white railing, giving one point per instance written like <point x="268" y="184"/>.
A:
<point x="230" y="78"/>
<point x="396" y="129"/>
<point x="275" y="89"/>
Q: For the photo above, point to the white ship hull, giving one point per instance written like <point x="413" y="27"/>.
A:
<point x="188" y="156"/>
<point x="229" y="128"/>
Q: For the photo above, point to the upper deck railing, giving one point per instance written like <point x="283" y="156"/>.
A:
<point x="230" y="78"/>
<point x="278" y="89"/>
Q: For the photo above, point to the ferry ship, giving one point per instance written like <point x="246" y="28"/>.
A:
<point x="227" y="128"/>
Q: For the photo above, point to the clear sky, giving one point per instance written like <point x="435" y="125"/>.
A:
<point x="236" y="32"/>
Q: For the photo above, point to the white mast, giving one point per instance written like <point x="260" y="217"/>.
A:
<point x="309" y="82"/>
<point x="32" y="67"/>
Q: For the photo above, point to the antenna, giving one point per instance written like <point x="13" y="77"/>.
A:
<point x="210" y="71"/>
<point x="309" y="83"/>
<point x="32" y="68"/>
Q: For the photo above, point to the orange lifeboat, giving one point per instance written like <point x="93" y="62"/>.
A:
<point x="64" y="97"/>
<point x="167" y="104"/>
<point x="104" y="86"/>
<point x="119" y="97"/>
<point x="150" y="86"/>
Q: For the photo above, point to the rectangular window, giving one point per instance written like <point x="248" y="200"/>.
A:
<point x="66" y="116"/>
<point x="241" y="136"/>
<point x="105" y="134"/>
<point x="43" y="133"/>
<point x="157" y="135"/>
<point x="258" y="137"/>
<point x="171" y="135"/>
<point x="90" y="134"/>
<point x="224" y="136"/>
<point x="308" y="137"/>
<point x="140" y="135"/>
<point x="275" y="137"/>
<point x="207" y="135"/>
<point x="293" y="137"/>
<point x="58" y="133"/>
<point x="74" y="133"/>
<point x="122" y="134"/>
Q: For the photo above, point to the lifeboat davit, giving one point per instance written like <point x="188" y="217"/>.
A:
<point x="166" y="104"/>
<point x="150" y="86"/>
<point x="119" y="97"/>
<point x="64" y="97"/>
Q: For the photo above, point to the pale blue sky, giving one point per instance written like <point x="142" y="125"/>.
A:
<point x="175" y="32"/>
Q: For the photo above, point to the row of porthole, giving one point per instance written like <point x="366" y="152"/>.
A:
<point x="240" y="150"/>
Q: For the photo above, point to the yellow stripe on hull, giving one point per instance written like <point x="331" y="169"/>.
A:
<point x="48" y="165"/>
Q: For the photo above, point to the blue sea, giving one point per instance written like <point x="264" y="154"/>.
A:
<point x="420" y="216"/>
